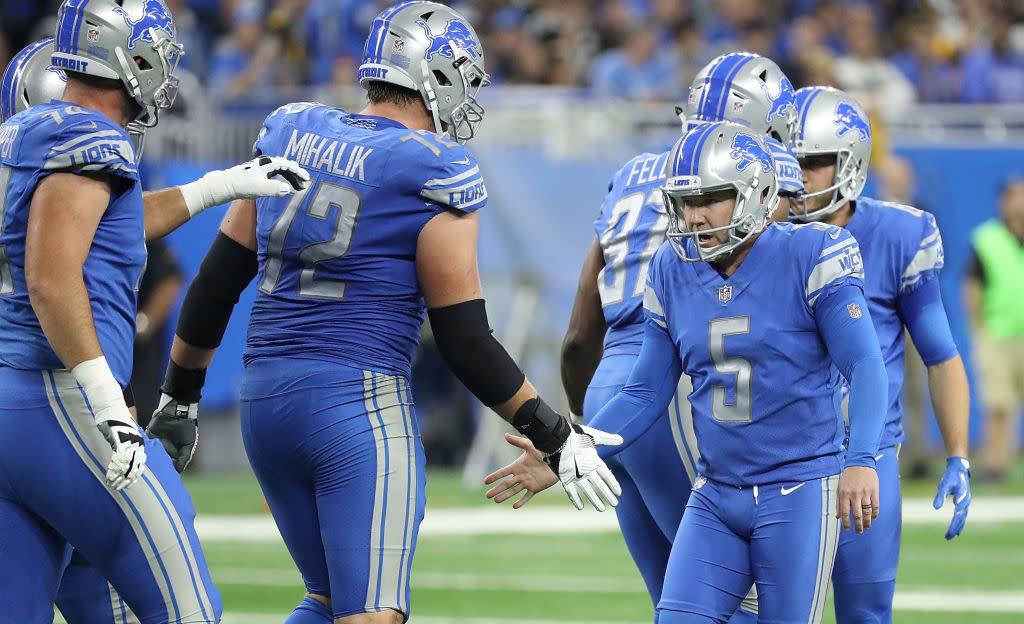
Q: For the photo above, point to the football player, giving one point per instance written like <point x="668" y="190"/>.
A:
<point x="902" y="252"/>
<point x="606" y="327"/>
<point x="346" y="271"/>
<point x="756" y="315"/>
<point x="85" y="596"/>
<point x="71" y="254"/>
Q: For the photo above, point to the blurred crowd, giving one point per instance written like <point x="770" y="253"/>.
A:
<point x="888" y="53"/>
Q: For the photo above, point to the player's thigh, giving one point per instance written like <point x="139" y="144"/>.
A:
<point x="371" y="498"/>
<point x="793" y="548"/>
<point x="141" y="538"/>
<point x="32" y="556"/>
<point x="708" y="571"/>
<point x="86" y="597"/>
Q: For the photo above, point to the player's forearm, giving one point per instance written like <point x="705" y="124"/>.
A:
<point x="61" y="304"/>
<point x="580" y="358"/>
<point x="947" y="386"/>
<point x="163" y="212"/>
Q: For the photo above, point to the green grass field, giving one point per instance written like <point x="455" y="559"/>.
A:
<point x="589" y="577"/>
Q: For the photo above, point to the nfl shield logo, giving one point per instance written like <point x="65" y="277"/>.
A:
<point x="93" y="34"/>
<point x="737" y="107"/>
<point x="699" y="483"/>
<point x="725" y="293"/>
<point x="854" y="310"/>
<point x="398" y="45"/>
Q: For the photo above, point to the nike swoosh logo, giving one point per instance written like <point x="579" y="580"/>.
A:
<point x="91" y="125"/>
<point x="787" y="491"/>
<point x="578" y="475"/>
<point x="464" y="161"/>
<point x="834" y="236"/>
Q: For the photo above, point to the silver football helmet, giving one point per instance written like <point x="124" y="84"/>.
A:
<point x="431" y="49"/>
<point x="831" y="122"/>
<point x="30" y="79"/>
<point x="714" y="157"/>
<point x="128" y="40"/>
<point x="743" y="88"/>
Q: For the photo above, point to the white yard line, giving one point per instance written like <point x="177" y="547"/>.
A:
<point x="463" y="521"/>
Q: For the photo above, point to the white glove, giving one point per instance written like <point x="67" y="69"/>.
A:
<point x="114" y="421"/>
<point x="580" y="468"/>
<point x="250" y="180"/>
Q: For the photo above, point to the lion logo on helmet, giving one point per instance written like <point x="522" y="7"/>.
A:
<point x="849" y="120"/>
<point x="455" y="30"/>
<point x="780" y="103"/>
<point x="747" y="150"/>
<point x="156" y="17"/>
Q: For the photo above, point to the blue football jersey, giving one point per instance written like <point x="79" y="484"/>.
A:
<point x="630" y="229"/>
<point x="60" y="137"/>
<point x="337" y="262"/>
<point x="766" y="395"/>
<point x="902" y="249"/>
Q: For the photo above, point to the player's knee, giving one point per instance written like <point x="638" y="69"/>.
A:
<point x="388" y="616"/>
<point x="668" y="616"/>
<point x="864" y="603"/>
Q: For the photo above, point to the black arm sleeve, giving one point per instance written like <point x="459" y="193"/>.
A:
<point x="463" y="337"/>
<point x="225" y="272"/>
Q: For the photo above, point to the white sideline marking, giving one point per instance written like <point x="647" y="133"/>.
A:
<point x="463" y="521"/>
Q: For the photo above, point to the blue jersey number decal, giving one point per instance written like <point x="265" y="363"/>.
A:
<point x="6" y="278"/>
<point x="348" y="202"/>
<point x="740" y="410"/>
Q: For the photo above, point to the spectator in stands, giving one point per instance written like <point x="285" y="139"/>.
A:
<point x="995" y="71"/>
<point x="865" y="73"/>
<point x="995" y="302"/>
<point x="638" y="70"/>
<point x="243" y="62"/>
<point x="928" y="60"/>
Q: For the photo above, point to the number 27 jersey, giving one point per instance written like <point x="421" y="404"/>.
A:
<point x="766" y="395"/>
<point x="337" y="262"/>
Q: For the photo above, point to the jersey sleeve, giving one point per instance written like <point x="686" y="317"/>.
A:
<point x="654" y="311"/>
<point x="922" y="262"/>
<point x="93" y="145"/>
<point x="831" y="261"/>
<point x="453" y="176"/>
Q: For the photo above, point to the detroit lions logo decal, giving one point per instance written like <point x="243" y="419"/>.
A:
<point x="454" y="30"/>
<point x="747" y="150"/>
<point x="849" y="120"/>
<point x="782" y="103"/>
<point x="156" y="17"/>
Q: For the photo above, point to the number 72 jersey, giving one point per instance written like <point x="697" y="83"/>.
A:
<point x="766" y="396"/>
<point x="337" y="262"/>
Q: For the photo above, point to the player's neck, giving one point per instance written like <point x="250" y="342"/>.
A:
<point x="414" y="117"/>
<point x="840" y="217"/>
<point x="731" y="263"/>
<point x="108" y="102"/>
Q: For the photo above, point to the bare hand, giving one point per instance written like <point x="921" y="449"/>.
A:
<point x="529" y="473"/>
<point x="858" y="494"/>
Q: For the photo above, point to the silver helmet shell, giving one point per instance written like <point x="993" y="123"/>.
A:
<point x="128" y="40"/>
<point x="744" y="88"/>
<point x="30" y="79"/>
<point x="431" y="49"/>
<point x="830" y="121"/>
<point x="714" y="157"/>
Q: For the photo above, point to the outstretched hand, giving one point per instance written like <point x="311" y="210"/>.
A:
<point x="529" y="473"/>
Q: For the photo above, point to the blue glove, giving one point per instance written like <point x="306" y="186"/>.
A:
<point x="956" y="482"/>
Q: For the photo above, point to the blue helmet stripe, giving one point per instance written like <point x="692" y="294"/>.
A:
<point x="728" y="82"/>
<point x="380" y="31"/>
<point x="724" y="72"/>
<point x="695" y="166"/>
<point x="689" y="150"/>
<point x="9" y="94"/>
<point x="806" y="106"/>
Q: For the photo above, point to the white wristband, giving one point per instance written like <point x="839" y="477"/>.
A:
<point x="99" y="384"/>
<point x="193" y="196"/>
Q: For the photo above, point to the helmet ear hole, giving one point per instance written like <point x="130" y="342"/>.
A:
<point x="441" y="79"/>
<point x="142" y="63"/>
